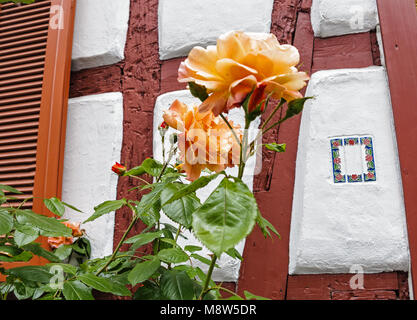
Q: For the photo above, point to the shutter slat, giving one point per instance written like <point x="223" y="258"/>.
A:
<point x="15" y="154"/>
<point x="23" y="48"/>
<point x="28" y="167"/>
<point x="20" y="106"/>
<point x="27" y="35"/>
<point x="19" y="112"/>
<point x="18" y="133"/>
<point x="27" y="79"/>
<point x="17" y="126"/>
<point x="18" y="139"/>
<point x="11" y="8"/>
<point x="17" y="161"/>
<point x="20" y="146"/>
<point x="25" y="25"/>
<point x="24" y="13"/>
<point x="21" y="86"/>
<point x="23" y="73"/>
<point x="22" y="55"/>
<point x="17" y="119"/>
<point x="25" y="92"/>
<point x="20" y="99"/>
<point x="16" y="43"/>
<point x="23" y="67"/>
<point x="23" y="31"/>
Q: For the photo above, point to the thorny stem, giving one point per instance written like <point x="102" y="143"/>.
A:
<point x="243" y="150"/>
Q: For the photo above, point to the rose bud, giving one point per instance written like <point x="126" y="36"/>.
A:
<point x="118" y="169"/>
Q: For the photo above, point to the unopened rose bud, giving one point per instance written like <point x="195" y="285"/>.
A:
<point x="118" y="169"/>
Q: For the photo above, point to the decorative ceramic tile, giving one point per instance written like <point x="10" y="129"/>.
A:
<point x="370" y="175"/>
<point x="338" y="177"/>
<point x="339" y="149"/>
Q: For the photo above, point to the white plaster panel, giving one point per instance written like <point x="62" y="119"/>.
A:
<point x="335" y="226"/>
<point x="93" y="144"/>
<point x="184" y="24"/>
<point x="99" y="33"/>
<point x="229" y="268"/>
<point x="338" y="17"/>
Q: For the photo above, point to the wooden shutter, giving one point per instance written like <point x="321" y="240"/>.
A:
<point x="35" y="63"/>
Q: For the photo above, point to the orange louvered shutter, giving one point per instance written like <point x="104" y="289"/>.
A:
<point x="35" y="63"/>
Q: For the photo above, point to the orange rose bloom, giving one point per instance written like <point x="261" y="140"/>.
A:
<point x="205" y="141"/>
<point x="56" y="242"/>
<point x="239" y="63"/>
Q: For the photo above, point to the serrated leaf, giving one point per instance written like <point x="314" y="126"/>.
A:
<point x="143" y="238"/>
<point x="180" y="210"/>
<point x="202" y="259"/>
<point x="232" y="252"/>
<point x="227" y="216"/>
<point x="172" y="255"/>
<point x="144" y="270"/>
<point x="149" y="166"/>
<point x="6" y="222"/>
<point x="265" y="225"/>
<point x="55" y="206"/>
<point x="22" y="239"/>
<point x="31" y="273"/>
<point x="176" y="285"/>
<point x="9" y="189"/>
<point x="39" y="251"/>
<point x="295" y="107"/>
<point x="191" y="188"/>
<point x="76" y="290"/>
<point x="104" y="284"/>
<point x="63" y="251"/>
<point x="48" y="226"/>
<point x="281" y="147"/>
<point x="148" y="207"/>
<point x="106" y="207"/>
<point x="68" y="268"/>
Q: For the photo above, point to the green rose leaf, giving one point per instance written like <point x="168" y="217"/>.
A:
<point x="149" y="291"/>
<point x="49" y="227"/>
<point x="76" y="290"/>
<point x="227" y="216"/>
<point x="176" y="285"/>
<point x="23" y="238"/>
<point x="55" y="206"/>
<point x="104" y="284"/>
<point x="9" y="189"/>
<point x="191" y="248"/>
<point x="63" y="251"/>
<point x="173" y="255"/>
<point x="149" y="166"/>
<point x="198" y="91"/>
<point x="265" y="226"/>
<point x="31" y="273"/>
<point x="277" y="147"/>
<point x="6" y="222"/>
<point x="180" y="210"/>
<point x="191" y="188"/>
<point x="106" y="207"/>
<point x="143" y="271"/>
<point x="295" y="107"/>
<point x="36" y="249"/>
<point x="143" y="238"/>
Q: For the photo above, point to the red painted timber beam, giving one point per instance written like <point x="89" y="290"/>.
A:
<point x="398" y="20"/>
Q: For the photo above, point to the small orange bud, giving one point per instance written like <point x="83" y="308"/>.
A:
<point x="118" y="169"/>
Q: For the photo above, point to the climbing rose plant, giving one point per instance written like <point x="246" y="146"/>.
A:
<point x="244" y="70"/>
